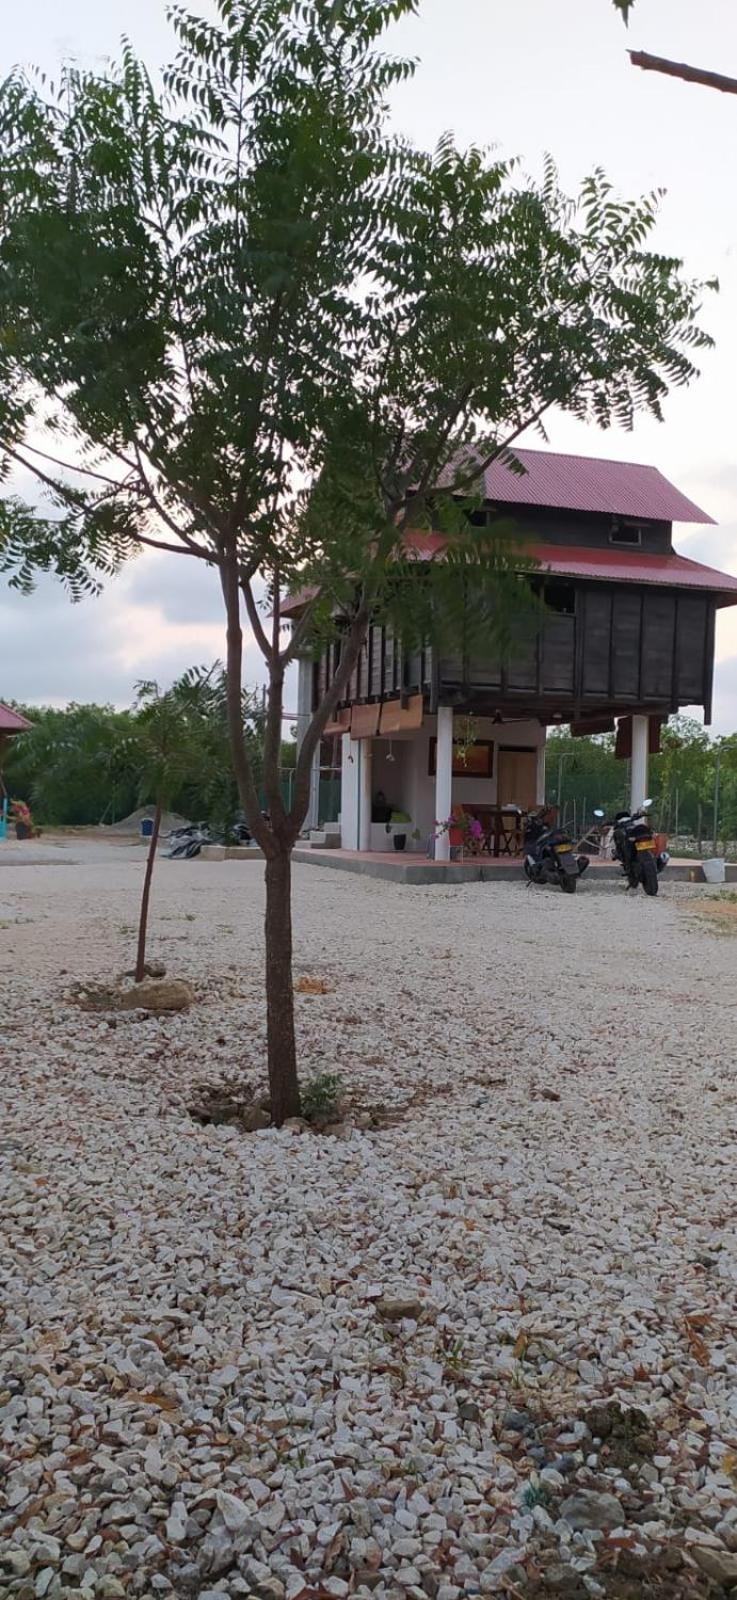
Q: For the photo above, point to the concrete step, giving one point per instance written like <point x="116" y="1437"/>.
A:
<point x="320" y="839"/>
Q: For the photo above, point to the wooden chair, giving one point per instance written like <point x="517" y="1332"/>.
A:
<point x="511" y="829"/>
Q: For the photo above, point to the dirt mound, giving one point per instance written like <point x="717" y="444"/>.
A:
<point x="132" y="824"/>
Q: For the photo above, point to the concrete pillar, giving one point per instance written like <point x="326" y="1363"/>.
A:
<point x="540" y="777"/>
<point x="312" y="820"/>
<point x="364" y="792"/>
<point x="640" y="751"/>
<point x="304" y="697"/>
<point x="444" y="779"/>
<point x="349" y="791"/>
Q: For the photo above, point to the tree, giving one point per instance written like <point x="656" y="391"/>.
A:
<point x="210" y="790"/>
<point x="263" y="335"/>
<point x="583" y="771"/>
<point x="179" y="734"/>
<point x="74" y="765"/>
<point x="165" y="746"/>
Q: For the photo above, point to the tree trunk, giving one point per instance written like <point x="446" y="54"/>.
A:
<point x="282" y="1049"/>
<point x="143" y="918"/>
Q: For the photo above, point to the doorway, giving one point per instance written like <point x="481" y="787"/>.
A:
<point x="517" y="777"/>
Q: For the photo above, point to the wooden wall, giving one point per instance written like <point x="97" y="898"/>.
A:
<point x="620" y="646"/>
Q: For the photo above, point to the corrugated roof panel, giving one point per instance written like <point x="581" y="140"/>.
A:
<point x="587" y="483"/>
<point x="620" y="566"/>
<point x="613" y="566"/>
<point x="12" y="721"/>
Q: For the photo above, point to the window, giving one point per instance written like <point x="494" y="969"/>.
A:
<point x="470" y="761"/>
<point x="625" y="533"/>
<point x="560" y="597"/>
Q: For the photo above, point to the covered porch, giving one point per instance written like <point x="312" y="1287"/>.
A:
<point x="399" y="789"/>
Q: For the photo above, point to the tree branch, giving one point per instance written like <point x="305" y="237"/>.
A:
<point x="257" y="626"/>
<point x="175" y="549"/>
<point x="680" y="69"/>
<point x="161" y="511"/>
<point x="43" y="477"/>
<point x="234" y="671"/>
<point x="69" y="466"/>
<point x="482" y="466"/>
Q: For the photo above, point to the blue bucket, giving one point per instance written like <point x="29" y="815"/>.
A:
<point x="147" y="827"/>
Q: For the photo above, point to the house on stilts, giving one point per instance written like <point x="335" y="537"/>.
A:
<point x="626" y="638"/>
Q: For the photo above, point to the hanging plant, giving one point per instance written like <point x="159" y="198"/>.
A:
<point x="465" y="738"/>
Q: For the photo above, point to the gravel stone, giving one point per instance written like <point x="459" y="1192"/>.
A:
<point x="253" y="1365"/>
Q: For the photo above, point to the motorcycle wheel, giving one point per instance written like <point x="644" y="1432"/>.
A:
<point x="568" y="884"/>
<point x="649" y="875"/>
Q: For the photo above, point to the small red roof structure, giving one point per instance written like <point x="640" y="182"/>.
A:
<point x="587" y="483"/>
<point x="12" y="721"/>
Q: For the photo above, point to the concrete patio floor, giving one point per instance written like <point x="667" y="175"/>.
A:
<point x="400" y="867"/>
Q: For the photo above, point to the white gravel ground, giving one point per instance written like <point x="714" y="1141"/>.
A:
<point x="203" y="1392"/>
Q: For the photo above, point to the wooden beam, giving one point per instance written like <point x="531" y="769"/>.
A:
<point x="680" y="69"/>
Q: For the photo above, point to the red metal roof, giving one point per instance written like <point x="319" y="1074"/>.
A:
<point x="611" y="566"/>
<point x="11" y="721"/>
<point x="292" y="604"/>
<point x="573" y="561"/>
<point x="624" y="566"/>
<point x="586" y="483"/>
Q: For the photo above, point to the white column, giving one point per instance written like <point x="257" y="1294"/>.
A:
<point x="364" y="790"/>
<point x="305" y="671"/>
<point x="640" y="751"/>
<point x="540" y="778"/>
<point x="444" y="778"/>
<point x="312" y="820"/>
<point x="349" y="790"/>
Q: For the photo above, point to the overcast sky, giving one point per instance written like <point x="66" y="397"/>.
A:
<point x="530" y="77"/>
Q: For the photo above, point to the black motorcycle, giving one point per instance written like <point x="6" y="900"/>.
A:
<point x="633" y="844"/>
<point x="549" y="854"/>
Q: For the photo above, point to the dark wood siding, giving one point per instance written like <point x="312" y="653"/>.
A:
<point x="658" y="627"/>
<point x="522" y="668"/>
<point x="625" y="647"/>
<point x="621" y="648"/>
<point x="558" y="655"/>
<point x="690" y="650"/>
<point x="595" y="614"/>
<point x="377" y="662"/>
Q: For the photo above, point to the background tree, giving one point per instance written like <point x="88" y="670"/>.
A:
<point x="74" y="766"/>
<point x="78" y="766"/>
<point x="262" y="334"/>
<point x="210" y="791"/>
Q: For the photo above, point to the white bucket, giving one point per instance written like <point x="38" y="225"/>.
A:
<point x="714" y="870"/>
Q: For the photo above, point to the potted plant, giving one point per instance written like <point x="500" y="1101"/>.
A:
<point x="465" y="832"/>
<point x="22" y="819"/>
<point x="401" y="821"/>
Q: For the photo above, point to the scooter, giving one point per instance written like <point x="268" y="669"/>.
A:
<point x="549" y="854"/>
<point x="633" y="844"/>
<point x="184" y="843"/>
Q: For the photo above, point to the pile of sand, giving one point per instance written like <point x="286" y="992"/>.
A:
<point x="132" y="824"/>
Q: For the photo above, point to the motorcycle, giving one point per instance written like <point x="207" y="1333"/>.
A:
<point x="634" y="845"/>
<point x="549" y="854"/>
<point x="184" y="843"/>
